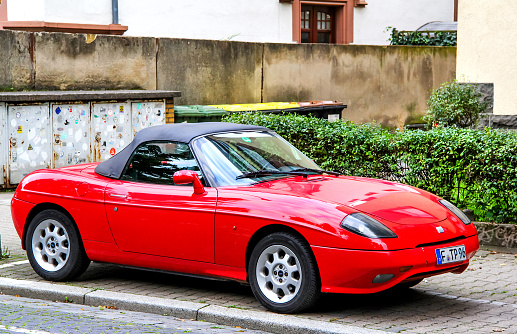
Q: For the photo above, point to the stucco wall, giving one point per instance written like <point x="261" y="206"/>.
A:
<point x="487" y="51"/>
<point x="370" y="22"/>
<point x="388" y="84"/>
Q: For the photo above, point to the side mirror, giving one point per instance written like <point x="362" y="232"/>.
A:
<point x="188" y="176"/>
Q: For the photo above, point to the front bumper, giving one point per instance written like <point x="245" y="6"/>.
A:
<point x="352" y="271"/>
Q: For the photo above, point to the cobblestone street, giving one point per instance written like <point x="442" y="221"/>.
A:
<point x="481" y="300"/>
<point x="32" y="316"/>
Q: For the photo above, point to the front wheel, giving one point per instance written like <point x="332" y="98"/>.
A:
<point x="283" y="273"/>
<point x="54" y="247"/>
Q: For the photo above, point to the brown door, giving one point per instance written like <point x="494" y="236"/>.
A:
<point x="318" y="24"/>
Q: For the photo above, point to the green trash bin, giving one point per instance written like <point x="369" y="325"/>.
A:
<point x="210" y="114"/>
<point x="198" y="114"/>
<point x="187" y="114"/>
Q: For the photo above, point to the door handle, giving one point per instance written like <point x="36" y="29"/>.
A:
<point x="118" y="195"/>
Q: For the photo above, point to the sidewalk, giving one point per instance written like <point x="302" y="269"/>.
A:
<point x="481" y="300"/>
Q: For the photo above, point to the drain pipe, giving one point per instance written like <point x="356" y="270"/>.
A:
<point x="114" y="11"/>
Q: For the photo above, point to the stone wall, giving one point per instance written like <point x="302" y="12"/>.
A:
<point x="387" y="84"/>
<point x="502" y="235"/>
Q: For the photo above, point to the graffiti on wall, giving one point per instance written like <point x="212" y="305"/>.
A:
<point x="29" y="134"/>
<point x="71" y="128"/>
<point x="62" y="134"/>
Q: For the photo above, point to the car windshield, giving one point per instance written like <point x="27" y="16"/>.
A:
<point x="243" y="158"/>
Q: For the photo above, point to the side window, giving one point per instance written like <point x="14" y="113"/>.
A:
<point x="156" y="162"/>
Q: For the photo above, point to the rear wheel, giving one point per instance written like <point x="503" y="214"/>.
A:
<point x="283" y="273"/>
<point x="54" y="247"/>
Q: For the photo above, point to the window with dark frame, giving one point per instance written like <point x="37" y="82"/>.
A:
<point x="317" y="24"/>
<point x="156" y="162"/>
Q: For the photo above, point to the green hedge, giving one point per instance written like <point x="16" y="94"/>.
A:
<point x="475" y="169"/>
<point x="434" y="38"/>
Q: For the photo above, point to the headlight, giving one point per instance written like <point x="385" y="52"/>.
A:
<point x="457" y="212"/>
<point x="366" y="226"/>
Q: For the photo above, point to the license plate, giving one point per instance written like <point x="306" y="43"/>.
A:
<point x="451" y="254"/>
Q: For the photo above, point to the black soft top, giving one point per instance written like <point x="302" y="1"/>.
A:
<point x="180" y="132"/>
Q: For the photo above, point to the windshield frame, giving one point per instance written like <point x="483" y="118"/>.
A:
<point x="207" y="169"/>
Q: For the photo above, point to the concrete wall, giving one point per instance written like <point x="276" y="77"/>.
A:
<point x="16" y="70"/>
<point x="387" y="84"/>
<point x="370" y="22"/>
<point x="71" y="62"/>
<point x="487" y="51"/>
<point x="210" y="72"/>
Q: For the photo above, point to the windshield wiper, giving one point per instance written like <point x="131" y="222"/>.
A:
<point x="264" y="172"/>
<point x="318" y="171"/>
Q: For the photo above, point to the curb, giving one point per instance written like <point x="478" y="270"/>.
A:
<point x="264" y="321"/>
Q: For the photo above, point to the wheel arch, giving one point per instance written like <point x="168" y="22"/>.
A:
<point x="269" y="229"/>
<point x="40" y="208"/>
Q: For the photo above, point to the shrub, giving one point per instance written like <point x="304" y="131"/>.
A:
<point x="475" y="169"/>
<point x="439" y="38"/>
<point x="454" y="104"/>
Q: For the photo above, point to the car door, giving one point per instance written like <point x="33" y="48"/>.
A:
<point x="148" y="214"/>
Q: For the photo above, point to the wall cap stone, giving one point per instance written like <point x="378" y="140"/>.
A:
<point x="101" y="95"/>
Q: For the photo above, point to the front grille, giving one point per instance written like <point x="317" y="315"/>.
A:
<point x="441" y="242"/>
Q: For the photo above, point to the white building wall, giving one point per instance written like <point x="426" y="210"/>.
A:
<point x="70" y="11"/>
<point x="91" y="11"/>
<point x="26" y="10"/>
<point x="237" y="20"/>
<point x="371" y="22"/>
<point x="487" y="51"/>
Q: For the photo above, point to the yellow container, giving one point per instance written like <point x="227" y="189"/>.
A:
<point x="231" y="107"/>
<point x="285" y="105"/>
<point x="257" y="106"/>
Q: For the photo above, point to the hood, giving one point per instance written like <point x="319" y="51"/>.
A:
<point x="391" y="201"/>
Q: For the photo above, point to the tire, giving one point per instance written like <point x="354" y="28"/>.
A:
<point x="54" y="247"/>
<point x="283" y="273"/>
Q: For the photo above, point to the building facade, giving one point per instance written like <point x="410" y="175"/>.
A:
<point x="487" y="49"/>
<point x="276" y="21"/>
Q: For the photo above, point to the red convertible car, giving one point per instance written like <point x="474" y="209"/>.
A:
<point x="238" y="202"/>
